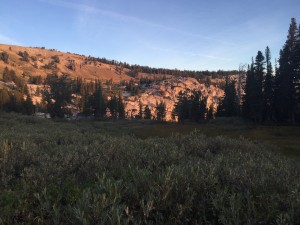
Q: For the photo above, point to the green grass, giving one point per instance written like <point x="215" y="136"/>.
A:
<point x="137" y="172"/>
<point x="285" y="138"/>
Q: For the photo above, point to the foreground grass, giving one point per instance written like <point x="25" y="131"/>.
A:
<point x="91" y="173"/>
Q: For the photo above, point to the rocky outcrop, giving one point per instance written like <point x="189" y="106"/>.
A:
<point x="166" y="91"/>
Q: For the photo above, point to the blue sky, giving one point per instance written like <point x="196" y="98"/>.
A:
<point x="182" y="34"/>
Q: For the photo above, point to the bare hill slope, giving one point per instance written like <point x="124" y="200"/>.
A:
<point x="40" y="61"/>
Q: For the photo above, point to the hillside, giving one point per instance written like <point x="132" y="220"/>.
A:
<point x="140" y="86"/>
<point x="42" y="62"/>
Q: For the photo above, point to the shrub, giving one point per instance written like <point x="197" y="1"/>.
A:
<point x="77" y="173"/>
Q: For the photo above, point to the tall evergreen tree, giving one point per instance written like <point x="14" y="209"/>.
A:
<point x="113" y="107"/>
<point x="268" y="95"/>
<point x="248" y="100"/>
<point x="286" y="76"/>
<point x="182" y="107"/>
<point x="140" y="115"/>
<point x="28" y="107"/>
<point x="229" y="105"/>
<point x="203" y="109"/>
<point x="121" y="108"/>
<point x="297" y="76"/>
<point x="147" y="113"/>
<point x="210" y="113"/>
<point x="259" y="77"/>
<point x="195" y="106"/>
<point x="98" y="102"/>
<point x="161" y="111"/>
<point x="4" y="99"/>
<point x="253" y="104"/>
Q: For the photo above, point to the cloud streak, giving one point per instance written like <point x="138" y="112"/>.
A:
<point x="87" y="9"/>
<point x="6" y="40"/>
<point x="193" y="54"/>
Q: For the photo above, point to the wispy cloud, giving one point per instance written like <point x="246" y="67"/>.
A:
<point x="6" y="40"/>
<point x="192" y="54"/>
<point x="104" y="12"/>
<point x="88" y="10"/>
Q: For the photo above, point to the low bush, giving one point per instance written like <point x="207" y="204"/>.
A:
<point x="72" y="173"/>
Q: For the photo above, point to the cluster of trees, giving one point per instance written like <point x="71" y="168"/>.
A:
<point x="59" y="98"/>
<point x="13" y="101"/>
<point x="192" y="106"/>
<point x="11" y="76"/>
<point x="160" y="112"/>
<point x="270" y="96"/>
<point x="133" y="87"/>
<point x="275" y="98"/>
<point x="12" y="97"/>
<point x="94" y="102"/>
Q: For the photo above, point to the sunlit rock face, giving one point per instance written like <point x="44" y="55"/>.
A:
<point x="166" y="91"/>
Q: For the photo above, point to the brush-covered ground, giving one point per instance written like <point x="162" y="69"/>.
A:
<point x="133" y="172"/>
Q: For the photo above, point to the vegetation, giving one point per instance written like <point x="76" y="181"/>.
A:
<point x="147" y="113"/>
<point x="190" y="105"/>
<point x="160" y="111"/>
<point x="4" y="57"/>
<point x="135" y="69"/>
<point x="58" y="96"/>
<point x="229" y="105"/>
<point x="24" y="56"/>
<point x="142" y="171"/>
<point x="270" y="98"/>
<point x="82" y="173"/>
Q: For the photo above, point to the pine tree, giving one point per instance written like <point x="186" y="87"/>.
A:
<point x="113" y="107"/>
<point x="210" y="113"/>
<point x="182" y="107"/>
<point x="249" y="97"/>
<point x="121" y="108"/>
<point x="98" y="103"/>
<point x="147" y="113"/>
<point x="140" y="116"/>
<point x="268" y="95"/>
<point x="195" y="106"/>
<point x="297" y="77"/>
<point x="28" y="107"/>
<point x="286" y="76"/>
<point x="258" y="94"/>
<point x="229" y="104"/>
<point x="161" y="111"/>
<point x="4" y="99"/>
<point x="203" y="109"/>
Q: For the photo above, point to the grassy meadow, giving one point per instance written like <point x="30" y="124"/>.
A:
<point x="142" y="172"/>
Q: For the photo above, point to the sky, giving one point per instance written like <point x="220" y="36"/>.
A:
<point x="181" y="34"/>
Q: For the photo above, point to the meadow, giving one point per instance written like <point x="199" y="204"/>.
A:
<point x="142" y="172"/>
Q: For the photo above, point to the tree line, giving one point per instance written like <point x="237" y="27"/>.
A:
<point x="62" y="92"/>
<point x="271" y="95"/>
<point x="135" y="69"/>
